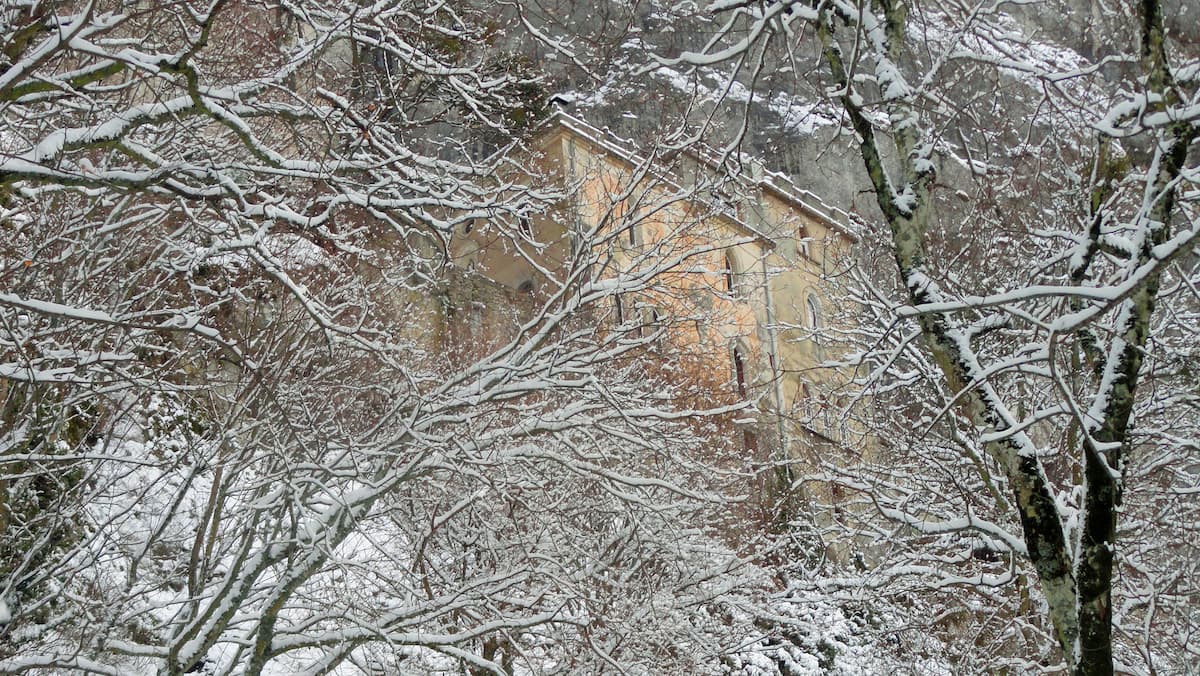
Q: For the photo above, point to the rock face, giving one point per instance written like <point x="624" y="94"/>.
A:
<point x="788" y="120"/>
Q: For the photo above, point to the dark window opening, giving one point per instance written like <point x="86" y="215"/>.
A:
<point x="381" y="60"/>
<point x="750" y="441"/>
<point x="739" y="373"/>
<point x="730" y="280"/>
<point x="620" y="309"/>
<point x="655" y="322"/>
<point x="525" y="228"/>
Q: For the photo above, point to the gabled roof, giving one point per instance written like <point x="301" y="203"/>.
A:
<point x="623" y="150"/>
<point x="775" y="183"/>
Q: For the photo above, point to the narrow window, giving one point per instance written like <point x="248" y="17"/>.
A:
<point x="814" y="312"/>
<point x="381" y="60"/>
<point x="653" y="320"/>
<point x="739" y="372"/>
<point x="620" y="309"/>
<point x="803" y="242"/>
<point x="750" y="442"/>
<point x="633" y="235"/>
<point x="730" y="276"/>
<point x="525" y="228"/>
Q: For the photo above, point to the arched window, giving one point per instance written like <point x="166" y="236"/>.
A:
<point x="739" y="373"/>
<point x="730" y="274"/>
<point x="815" y="321"/>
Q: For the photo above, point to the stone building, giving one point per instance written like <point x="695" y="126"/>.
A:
<point x="723" y="273"/>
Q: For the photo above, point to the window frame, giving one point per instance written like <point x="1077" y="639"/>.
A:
<point x="730" y="274"/>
